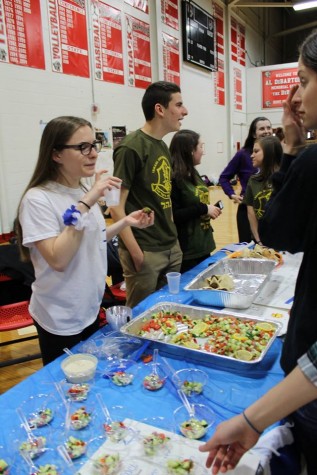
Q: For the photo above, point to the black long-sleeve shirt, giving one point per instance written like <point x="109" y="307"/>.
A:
<point x="290" y="224"/>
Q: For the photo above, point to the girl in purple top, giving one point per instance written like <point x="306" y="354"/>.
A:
<point x="241" y="166"/>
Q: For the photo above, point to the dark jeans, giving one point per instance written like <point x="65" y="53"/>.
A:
<point x="190" y="263"/>
<point x="52" y="345"/>
<point x="243" y="224"/>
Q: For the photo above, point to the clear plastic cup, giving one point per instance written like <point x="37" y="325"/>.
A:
<point x="173" y="280"/>
<point x="112" y="197"/>
<point x="118" y="315"/>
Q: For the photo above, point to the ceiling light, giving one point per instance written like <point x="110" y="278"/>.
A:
<point x="305" y="5"/>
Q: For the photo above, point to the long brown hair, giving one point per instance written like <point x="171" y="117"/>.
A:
<point x="272" y="157"/>
<point x="182" y="146"/>
<point x="56" y="134"/>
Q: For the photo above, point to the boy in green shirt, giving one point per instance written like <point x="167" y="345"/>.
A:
<point x="142" y="160"/>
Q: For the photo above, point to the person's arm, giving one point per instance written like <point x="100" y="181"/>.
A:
<point x="289" y="222"/>
<point x="227" y="174"/>
<point x="253" y="224"/>
<point x="137" y="219"/>
<point x="118" y="213"/>
<point x="183" y="213"/>
<point x="286" y="225"/>
<point x="237" y="435"/>
<point x="58" y="251"/>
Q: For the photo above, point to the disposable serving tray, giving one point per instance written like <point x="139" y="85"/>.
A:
<point x="249" y="276"/>
<point x="199" y="355"/>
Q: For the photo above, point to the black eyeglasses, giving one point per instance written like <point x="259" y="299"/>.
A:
<point x="85" y="147"/>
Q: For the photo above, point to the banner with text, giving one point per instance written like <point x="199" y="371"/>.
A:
<point x="219" y="75"/>
<point x="139" y="4"/>
<point x="276" y="85"/>
<point x="21" y="40"/>
<point x="169" y="9"/>
<point x="139" y="52"/>
<point x="107" y="43"/>
<point x="238" y="92"/>
<point x="68" y="37"/>
<point x="171" y="58"/>
<point x="237" y="42"/>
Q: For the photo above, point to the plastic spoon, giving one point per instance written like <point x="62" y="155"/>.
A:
<point x="65" y="455"/>
<point x="60" y="392"/>
<point x="24" y="420"/>
<point x="33" y="468"/>
<point x="153" y="381"/>
<point x="188" y="406"/>
<point x="115" y="430"/>
<point x="154" y="365"/>
<point x="104" y="408"/>
<point x="171" y="372"/>
<point x="67" y="351"/>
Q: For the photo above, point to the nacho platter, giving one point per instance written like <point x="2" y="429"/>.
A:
<point x="248" y="276"/>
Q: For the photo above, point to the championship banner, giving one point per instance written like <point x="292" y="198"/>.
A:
<point x="276" y="85"/>
<point x="238" y="96"/>
<point x="139" y="4"/>
<point x="169" y="9"/>
<point x="21" y="40"/>
<point x="171" y="59"/>
<point x="68" y="37"/>
<point x="139" y="52"/>
<point x="218" y="14"/>
<point x="219" y="84"/>
<point x="107" y="43"/>
<point x="237" y="42"/>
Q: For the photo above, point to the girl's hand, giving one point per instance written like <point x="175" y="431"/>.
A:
<point x="295" y="134"/>
<point x="102" y="183"/>
<point x="140" y="219"/>
<point x="236" y="198"/>
<point x="214" y="211"/>
<point x="231" y="440"/>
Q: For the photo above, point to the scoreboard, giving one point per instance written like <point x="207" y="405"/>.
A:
<point x="199" y="36"/>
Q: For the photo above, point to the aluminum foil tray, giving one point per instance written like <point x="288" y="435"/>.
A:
<point x="195" y="313"/>
<point x="249" y="276"/>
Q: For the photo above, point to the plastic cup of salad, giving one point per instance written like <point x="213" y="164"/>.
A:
<point x="191" y="381"/>
<point x="195" y="425"/>
<point x="122" y="372"/>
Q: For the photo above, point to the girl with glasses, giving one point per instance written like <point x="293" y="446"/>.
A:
<point x="61" y="229"/>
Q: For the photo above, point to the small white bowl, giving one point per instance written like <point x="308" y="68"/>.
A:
<point x="79" y="368"/>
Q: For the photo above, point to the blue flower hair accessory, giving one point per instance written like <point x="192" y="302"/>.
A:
<point x="71" y="216"/>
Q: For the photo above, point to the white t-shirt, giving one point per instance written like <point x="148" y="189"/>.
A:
<point x="64" y="303"/>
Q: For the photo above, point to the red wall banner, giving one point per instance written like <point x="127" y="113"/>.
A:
<point x="276" y="85"/>
<point x="68" y="37"/>
<point x="219" y="84"/>
<point x="107" y="43"/>
<point x="218" y="14"/>
<point x="139" y="52"/>
<point x="171" y="58"/>
<point x="21" y="40"/>
<point x="237" y="42"/>
<point x="169" y="9"/>
<point x="139" y="4"/>
<point x="238" y="96"/>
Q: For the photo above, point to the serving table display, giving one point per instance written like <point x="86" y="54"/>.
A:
<point x="81" y="422"/>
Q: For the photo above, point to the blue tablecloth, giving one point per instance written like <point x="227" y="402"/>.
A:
<point x="227" y="393"/>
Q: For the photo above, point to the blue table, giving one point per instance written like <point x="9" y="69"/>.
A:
<point x="228" y="392"/>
